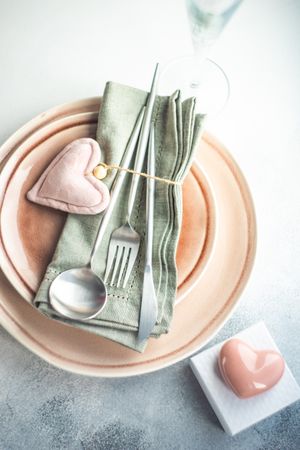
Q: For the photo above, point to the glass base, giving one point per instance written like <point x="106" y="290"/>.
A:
<point x="203" y="79"/>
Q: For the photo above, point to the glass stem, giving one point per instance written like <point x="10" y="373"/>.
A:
<point x="200" y="56"/>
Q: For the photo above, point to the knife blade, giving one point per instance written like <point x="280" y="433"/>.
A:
<point x="148" y="312"/>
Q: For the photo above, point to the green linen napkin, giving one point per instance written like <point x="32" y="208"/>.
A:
<point x="177" y="130"/>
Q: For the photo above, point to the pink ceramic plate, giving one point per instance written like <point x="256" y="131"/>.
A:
<point x="210" y="298"/>
<point x="29" y="232"/>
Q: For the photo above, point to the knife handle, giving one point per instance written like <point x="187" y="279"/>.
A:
<point x="143" y="141"/>
<point x="150" y="198"/>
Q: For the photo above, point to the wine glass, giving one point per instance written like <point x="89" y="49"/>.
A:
<point x="197" y="75"/>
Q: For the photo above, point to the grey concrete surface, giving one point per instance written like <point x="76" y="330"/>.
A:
<point x="42" y="407"/>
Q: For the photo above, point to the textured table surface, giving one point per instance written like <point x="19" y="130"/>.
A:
<point x="54" y="52"/>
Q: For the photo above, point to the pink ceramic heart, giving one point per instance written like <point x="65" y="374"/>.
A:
<point x="248" y="371"/>
<point x="68" y="183"/>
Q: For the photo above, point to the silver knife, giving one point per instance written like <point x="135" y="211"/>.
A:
<point x="148" y="312"/>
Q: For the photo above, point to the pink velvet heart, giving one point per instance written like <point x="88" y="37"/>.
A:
<point x="247" y="371"/>
<point x="68" y="183"/>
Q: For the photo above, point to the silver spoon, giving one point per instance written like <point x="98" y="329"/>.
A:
<point x="79" y="293"/>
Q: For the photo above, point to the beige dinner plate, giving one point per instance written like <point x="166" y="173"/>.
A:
<point x="214" y="258"/>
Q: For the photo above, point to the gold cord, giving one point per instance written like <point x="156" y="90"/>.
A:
<point x="142" y="174"/>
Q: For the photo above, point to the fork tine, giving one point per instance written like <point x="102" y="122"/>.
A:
<point x="110" y="259"/>
<point x="119" y="253"/>
<point x="131" y="261"/>
<point x="123" y="264"/>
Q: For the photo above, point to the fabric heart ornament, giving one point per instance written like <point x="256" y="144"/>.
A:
<point x="249" y="372"/>
<point x="68" y="182"/>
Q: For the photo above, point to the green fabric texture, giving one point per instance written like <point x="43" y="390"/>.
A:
<point x="177" y="130"/>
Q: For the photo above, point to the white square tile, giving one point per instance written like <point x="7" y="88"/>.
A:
<point x="237" y="414"/>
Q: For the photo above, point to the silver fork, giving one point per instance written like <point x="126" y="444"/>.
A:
<point x="125" y="241"/>
<point x="123" y="250"/>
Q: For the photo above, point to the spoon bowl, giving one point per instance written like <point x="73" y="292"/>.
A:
<point x="78" y="294"/>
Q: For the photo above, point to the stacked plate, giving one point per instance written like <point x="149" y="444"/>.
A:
<point x="214" y="258"/>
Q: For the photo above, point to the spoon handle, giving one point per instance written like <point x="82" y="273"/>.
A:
<point x="118" y="182"/>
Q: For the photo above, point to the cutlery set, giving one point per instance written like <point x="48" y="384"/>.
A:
<point x="79" y="293"/>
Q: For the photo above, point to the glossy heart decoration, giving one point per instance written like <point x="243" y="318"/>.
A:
<point x="249" y="372"/>
<point x="68" y="183"/>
